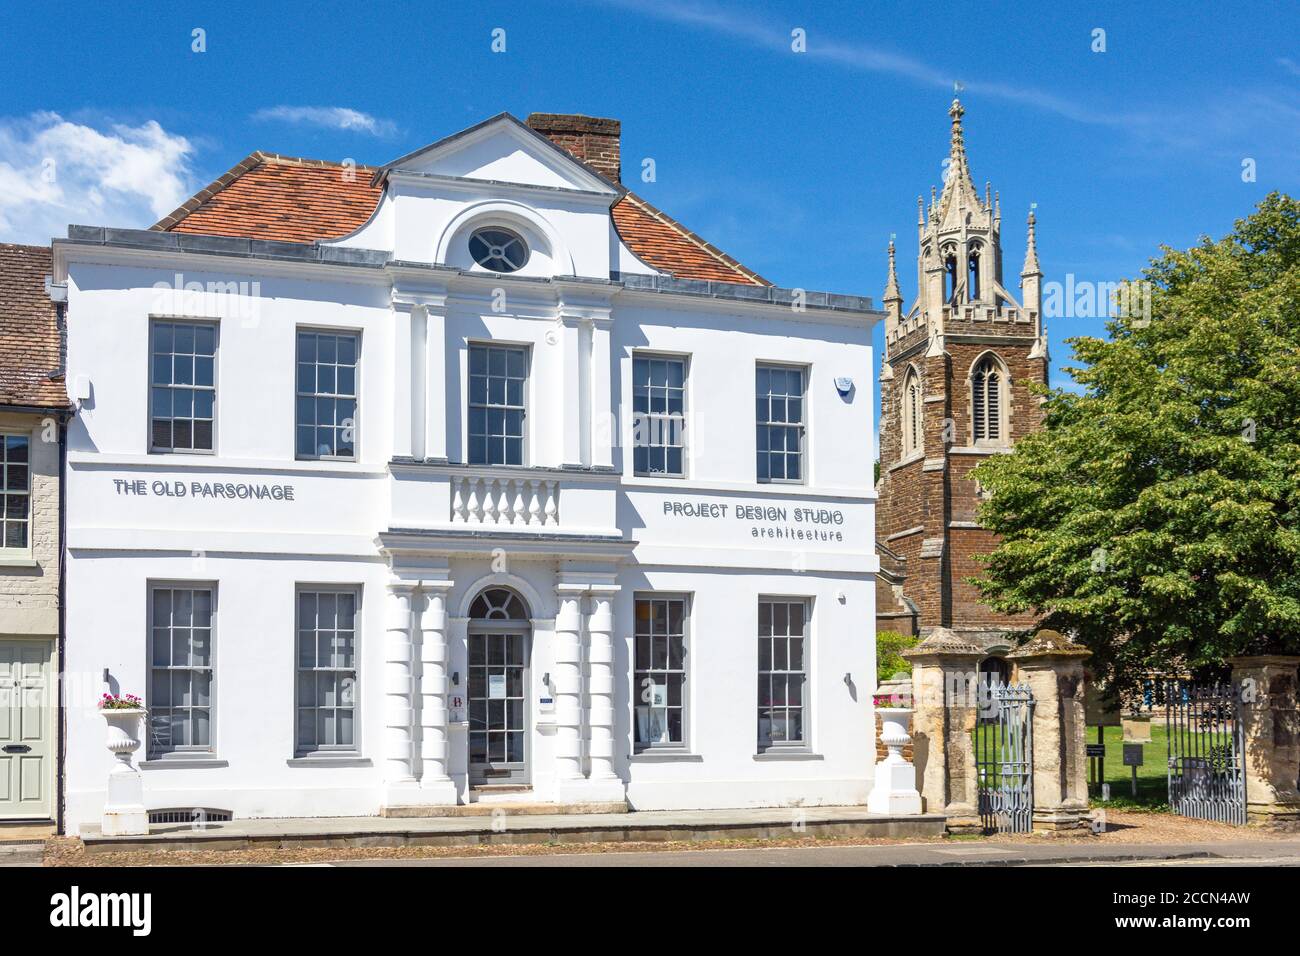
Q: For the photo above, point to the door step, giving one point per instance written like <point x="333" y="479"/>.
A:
<point x="490" y="791"/>
<point x="25" y="831"/>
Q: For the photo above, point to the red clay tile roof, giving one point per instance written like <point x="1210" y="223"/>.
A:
<point x="29" y="331"/>
<point x="279" y="197"/>
<point x="268" y="196"/>
<point x="664" y="243"/>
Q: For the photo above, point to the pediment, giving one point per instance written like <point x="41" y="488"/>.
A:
<point x="501" y="149"/>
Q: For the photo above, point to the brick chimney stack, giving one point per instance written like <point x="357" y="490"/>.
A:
<point x="592" y="139"/>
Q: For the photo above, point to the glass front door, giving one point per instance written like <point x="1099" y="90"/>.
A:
<point x="497" y="712"/>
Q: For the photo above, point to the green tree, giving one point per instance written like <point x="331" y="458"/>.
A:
<point x="1156" y="516"/>
<point x="889" y="658"/>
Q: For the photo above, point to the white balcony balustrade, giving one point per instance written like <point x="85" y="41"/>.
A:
<point x="496" y="500"/>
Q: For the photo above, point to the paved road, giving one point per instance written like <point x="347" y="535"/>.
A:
<point x="1246" y="853"/>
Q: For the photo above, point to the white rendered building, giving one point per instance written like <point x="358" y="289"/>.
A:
<point x="517" y="491"/>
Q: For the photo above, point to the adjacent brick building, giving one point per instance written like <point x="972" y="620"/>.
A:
<point x="33" y="410"/>
<point x="954" y="386"/>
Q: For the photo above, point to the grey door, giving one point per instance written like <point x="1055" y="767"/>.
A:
<point x="498" y="712"/>
<point x="26" y="731"/>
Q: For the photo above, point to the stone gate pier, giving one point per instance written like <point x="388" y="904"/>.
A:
<point x="1270" y="724"/>
<point x="1052" y="666"/>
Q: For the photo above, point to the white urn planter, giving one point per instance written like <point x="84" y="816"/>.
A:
<point x="894" y="791"/>
<point x="124" y="812"/>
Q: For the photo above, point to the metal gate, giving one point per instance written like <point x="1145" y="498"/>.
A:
<point x="1004" y="738"/>
<point x="1207" y="774"/>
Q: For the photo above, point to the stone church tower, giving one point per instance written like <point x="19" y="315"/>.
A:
<point x="954" y="389"/>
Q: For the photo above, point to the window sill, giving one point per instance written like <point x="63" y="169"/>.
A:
<point x="788" y="755"/>
<point x="6" y="562"/>
<point x="342" y="760"/>
<point x="904" y="462"/>
<point x="665" y="756"/>
<point x="182" y="763"/>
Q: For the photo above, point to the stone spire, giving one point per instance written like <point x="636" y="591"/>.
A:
<point x="1031" y="250"/>
<point x="958" y="187"/>
<point x="892" y="293"/>
<point x="1031" y="289"/>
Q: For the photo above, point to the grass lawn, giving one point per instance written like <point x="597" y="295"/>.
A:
<point x="1153" y="793"/>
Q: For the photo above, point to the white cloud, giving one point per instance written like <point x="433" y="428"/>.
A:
<point x="330" y="117"/>
<point x="864" y="57"/>
<point x="54" y="172"/>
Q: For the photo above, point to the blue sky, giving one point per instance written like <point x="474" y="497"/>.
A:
<point x="799" y="164"/>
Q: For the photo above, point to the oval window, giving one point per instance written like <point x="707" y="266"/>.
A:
<point x="498" y="249"/>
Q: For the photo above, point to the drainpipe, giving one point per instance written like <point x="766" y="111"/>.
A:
<point x="61" y="717"/>
<point x="58" y="294"/>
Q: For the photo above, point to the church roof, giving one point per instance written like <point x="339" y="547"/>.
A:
<point x="290" y="199"/>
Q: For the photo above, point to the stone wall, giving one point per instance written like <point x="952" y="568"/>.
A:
<point x="29" y="584"/>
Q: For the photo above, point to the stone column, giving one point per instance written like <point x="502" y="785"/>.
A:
<point x="435" y="783"/>
<point x="568" y="691"/>
<point x="604" y="423"/>
<point x="945" y="677"/>
<point x="436" y="381"/>
<point x="1270" y="730"/>
<point x="1052" y="667"/>
<point x="603" y="784"/>
<point x="400" y="783"/>
<point x="403" y="388"/>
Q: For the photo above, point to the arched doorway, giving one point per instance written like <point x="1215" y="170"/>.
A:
<point x="499" y="637"/>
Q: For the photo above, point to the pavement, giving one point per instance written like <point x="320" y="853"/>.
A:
<point x="1246" y="853"/>
<point x="22" y="854"/>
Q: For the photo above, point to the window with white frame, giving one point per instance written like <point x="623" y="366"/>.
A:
<point x="326" y="409"/>
<point x="988" y="401"/>
<point x="782" y="672"/>
<point x="182" y="385"/>
<point x="659" y="415"/>
<point x="779" y="408"/>
<point x="180" y="700"/>
<point x="327" y="670"/>
<point x="15" y="492"/>
<point x="913" y="436"/>
<point x="660" y="652"/>
<point x="498" y="375"/>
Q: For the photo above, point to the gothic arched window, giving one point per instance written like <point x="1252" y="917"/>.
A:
<point x="973" y="274"/>
<point x="950" y="277"/>
<point x="913" y="430"/>
<point x="988" y="385"/>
